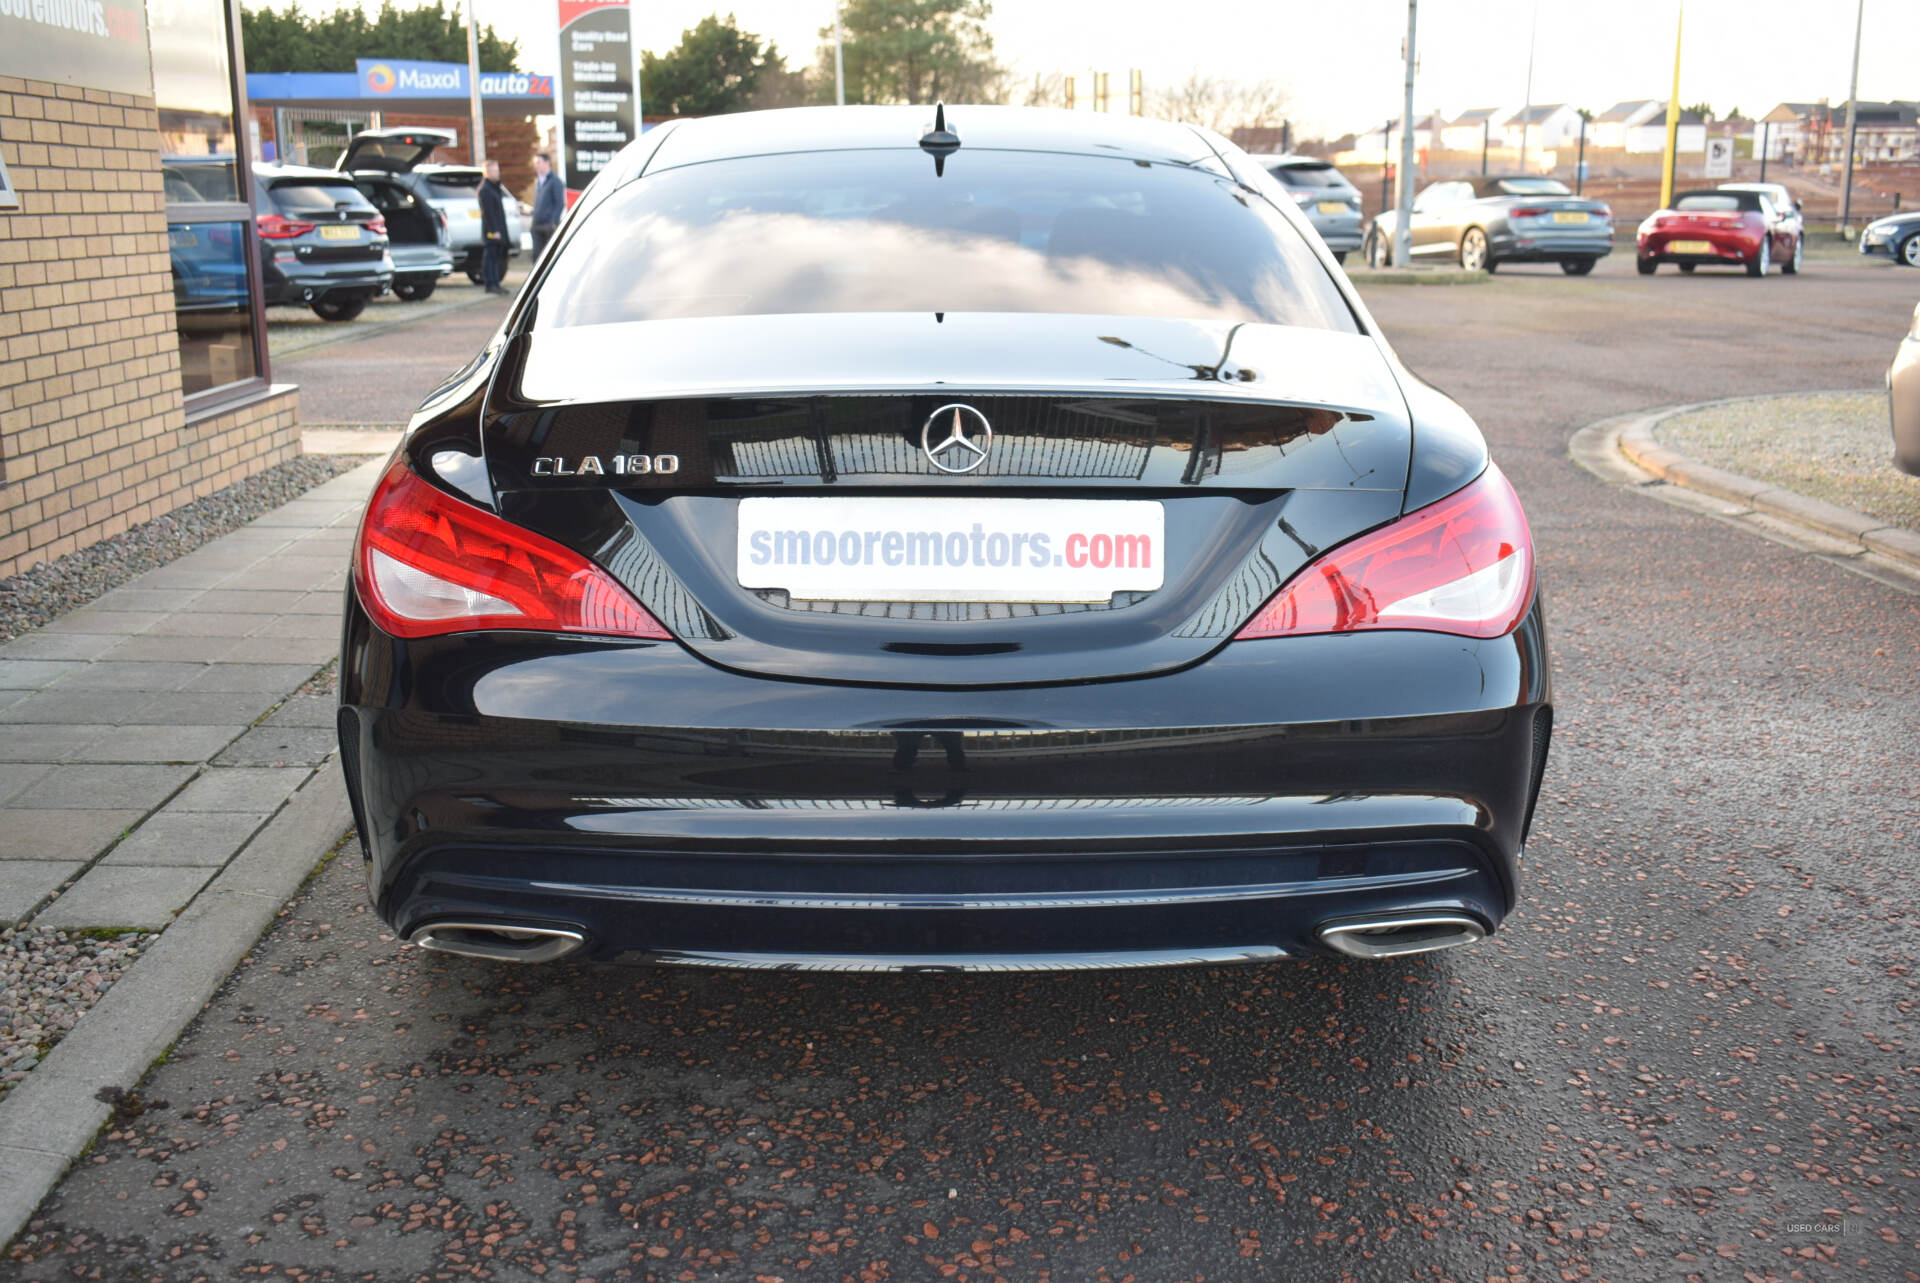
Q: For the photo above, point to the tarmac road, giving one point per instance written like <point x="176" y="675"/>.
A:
<point x="1690" y="1053"/>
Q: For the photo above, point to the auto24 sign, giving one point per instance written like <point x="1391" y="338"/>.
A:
<point x="599" y="93"/>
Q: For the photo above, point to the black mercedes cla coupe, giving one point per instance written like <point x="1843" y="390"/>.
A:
<point x="892" y="538"/>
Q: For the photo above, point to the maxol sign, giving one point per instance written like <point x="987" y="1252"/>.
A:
<point x="408" y="78"/>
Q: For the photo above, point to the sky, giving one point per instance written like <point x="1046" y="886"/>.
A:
<point x="1340" y="62"/>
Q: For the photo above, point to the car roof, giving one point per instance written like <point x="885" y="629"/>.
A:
<point x="273" y="171"/>
<point x="805" y="129"/>
<point x="1291" y="158"/>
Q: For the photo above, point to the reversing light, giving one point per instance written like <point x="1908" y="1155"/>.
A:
<point x="1463" y="564"/>
<point x="427" y="564"/>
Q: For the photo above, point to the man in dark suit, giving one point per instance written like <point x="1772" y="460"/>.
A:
<point x="493" y="227"/>
<point x="549" y="204"/>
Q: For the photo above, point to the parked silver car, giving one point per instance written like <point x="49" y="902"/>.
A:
<point x="1501" y="218"/>
<point x="1330" y="202"/>
<point x="402" y="155"/>
<point x="417" y="238"/>
<point x="1903" y="399"/>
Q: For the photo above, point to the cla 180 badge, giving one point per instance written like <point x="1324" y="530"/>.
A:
<point x="619" y="465"/>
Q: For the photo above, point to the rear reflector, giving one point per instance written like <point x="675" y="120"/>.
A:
<point x="427" y="564"/>
<point x="1461" y="565"/>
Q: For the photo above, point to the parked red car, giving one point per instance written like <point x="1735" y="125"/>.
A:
<point x="1722" y="229"/>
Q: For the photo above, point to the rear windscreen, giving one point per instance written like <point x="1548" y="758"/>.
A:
<point x="1717" y="202"/>
<point x="466" y="183"/>
<point x="878" y="231"/>
<point x="301" y="196"/>
<point x="1534" y="187"/>
<point x="1308" y="175"/>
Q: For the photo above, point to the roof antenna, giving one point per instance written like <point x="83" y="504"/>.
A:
<point x="940" y="142"/>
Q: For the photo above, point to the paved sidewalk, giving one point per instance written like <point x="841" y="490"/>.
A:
<point x="147" y="738"/>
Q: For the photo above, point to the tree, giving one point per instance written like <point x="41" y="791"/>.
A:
<point x="1219" y="104"/>
<point x="715" y="68"/>
<point x="289" y="39"/>
<point x="1703" y="109"/>
<point x="913" y="51"/>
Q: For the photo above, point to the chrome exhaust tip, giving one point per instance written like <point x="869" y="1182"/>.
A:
<point x="1401" y="934"/>
<point x="498" y="941"/>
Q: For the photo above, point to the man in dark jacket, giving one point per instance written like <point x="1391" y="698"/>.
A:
<point x="549" y="204"/>
<point x="493" y="227"/>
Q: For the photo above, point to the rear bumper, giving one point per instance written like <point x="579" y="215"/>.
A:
<point x="666" y="810"/>
<point x="1545" y="247"/>
<point x="1726" y="248"/>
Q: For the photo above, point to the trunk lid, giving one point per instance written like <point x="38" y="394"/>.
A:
<point x="394" y="151"/>
<point x="1259" y="445"/>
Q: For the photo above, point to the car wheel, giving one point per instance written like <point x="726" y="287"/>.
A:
<point x="1688" y="267"/>
<point x="1762" y="261"/>
<point x="1792" y="266"/>
<point x="1648" y="266"/>
<point x="344" y="309"/>
<point x="1378" y="253"/>
<point x="414" y="291"/>
<point x="1908" y="251"/>
<point x="1473" y="251"/>
<point x="475" y="275"/>
<point x="1576" y="266"/>
<point x="1339" y="256"/>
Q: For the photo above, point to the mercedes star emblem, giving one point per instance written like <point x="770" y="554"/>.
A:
<point x="968" y="438"/>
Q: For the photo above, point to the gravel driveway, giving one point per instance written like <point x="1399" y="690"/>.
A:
<point x="1689" y="1055"/>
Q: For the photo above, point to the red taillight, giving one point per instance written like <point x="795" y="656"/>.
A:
<point x="275" y="228"/>
<point x="1528" y="211"/>
<point x="1463" y="564"/>
<point x="378" y="226"/>
<point x="428" y="564"/>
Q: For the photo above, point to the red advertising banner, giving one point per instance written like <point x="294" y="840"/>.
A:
<point x="598" y="98"/>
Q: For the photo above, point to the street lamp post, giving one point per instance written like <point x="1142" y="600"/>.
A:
<point x="1673" y="115"/>
<point x="839" y="67"/>
<point x="478" y="124"/>
<point x="1403" y="211"/>
<point x="1853" y="124"/>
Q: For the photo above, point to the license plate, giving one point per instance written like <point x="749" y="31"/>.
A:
<point x="1565" y="217"/>
<point x="1012" y="550"/>
<point x="1689" y="247"/>
<point x="1333" y="207"/>
<point x="338" y="232"/>
<point x="473" y="213"/>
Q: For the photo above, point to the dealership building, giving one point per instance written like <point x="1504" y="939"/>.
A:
<point x="116" y="405"/>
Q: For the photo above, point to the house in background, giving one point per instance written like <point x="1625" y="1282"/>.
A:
<point x="1649" y="137"/>
<point x="1814" y="133"/>
<point x="1542" y="127"/>
<point x="1470" y="130"/>
<point x="1609" y="129"/>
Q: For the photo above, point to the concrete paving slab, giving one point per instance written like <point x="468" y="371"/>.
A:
<point x="235" y="600"/>
<point x="301" y="512"/>
<point x="34" y="674"/>
<point x="45" y="645"/>
<point x="211" y="624"/>
<point x="157" y="743"/>
<point x="177" y="576"/>
<point x="275" y="678"/>
<point x="73" y="836"/>
<point x="145" y="599"/>
<point x="202" y="839"/>
<point x="325" y="602"/>
<point x="73" y="708"/>
<point x="194" y="650"/>
<point x="15" y="777"/>
<point x="8" y="698"/>
<point x="126" y="622"/>
<point x="113" y="895"/>
<point x="48" y="743"/>
<point x="307" y="710"/>
<point x="307" y="650"/>
<point x="25" y="883"/>
<point x="83" y="787"/>
<point x="240" y="788"/>
<point x="309" y="626"/>
<point x="132" y="675"/>
<point x="311" y="573"/>
<point x="199" y="708"/>
<point x="280" y="746"/>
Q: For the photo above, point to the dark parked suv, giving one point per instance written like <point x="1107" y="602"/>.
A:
<point x="322" y="243"/>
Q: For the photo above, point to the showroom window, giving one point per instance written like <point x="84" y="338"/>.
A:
<point x="198" y="88"/>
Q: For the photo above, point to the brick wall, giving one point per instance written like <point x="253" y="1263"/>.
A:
<point x="93" y="436"/>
